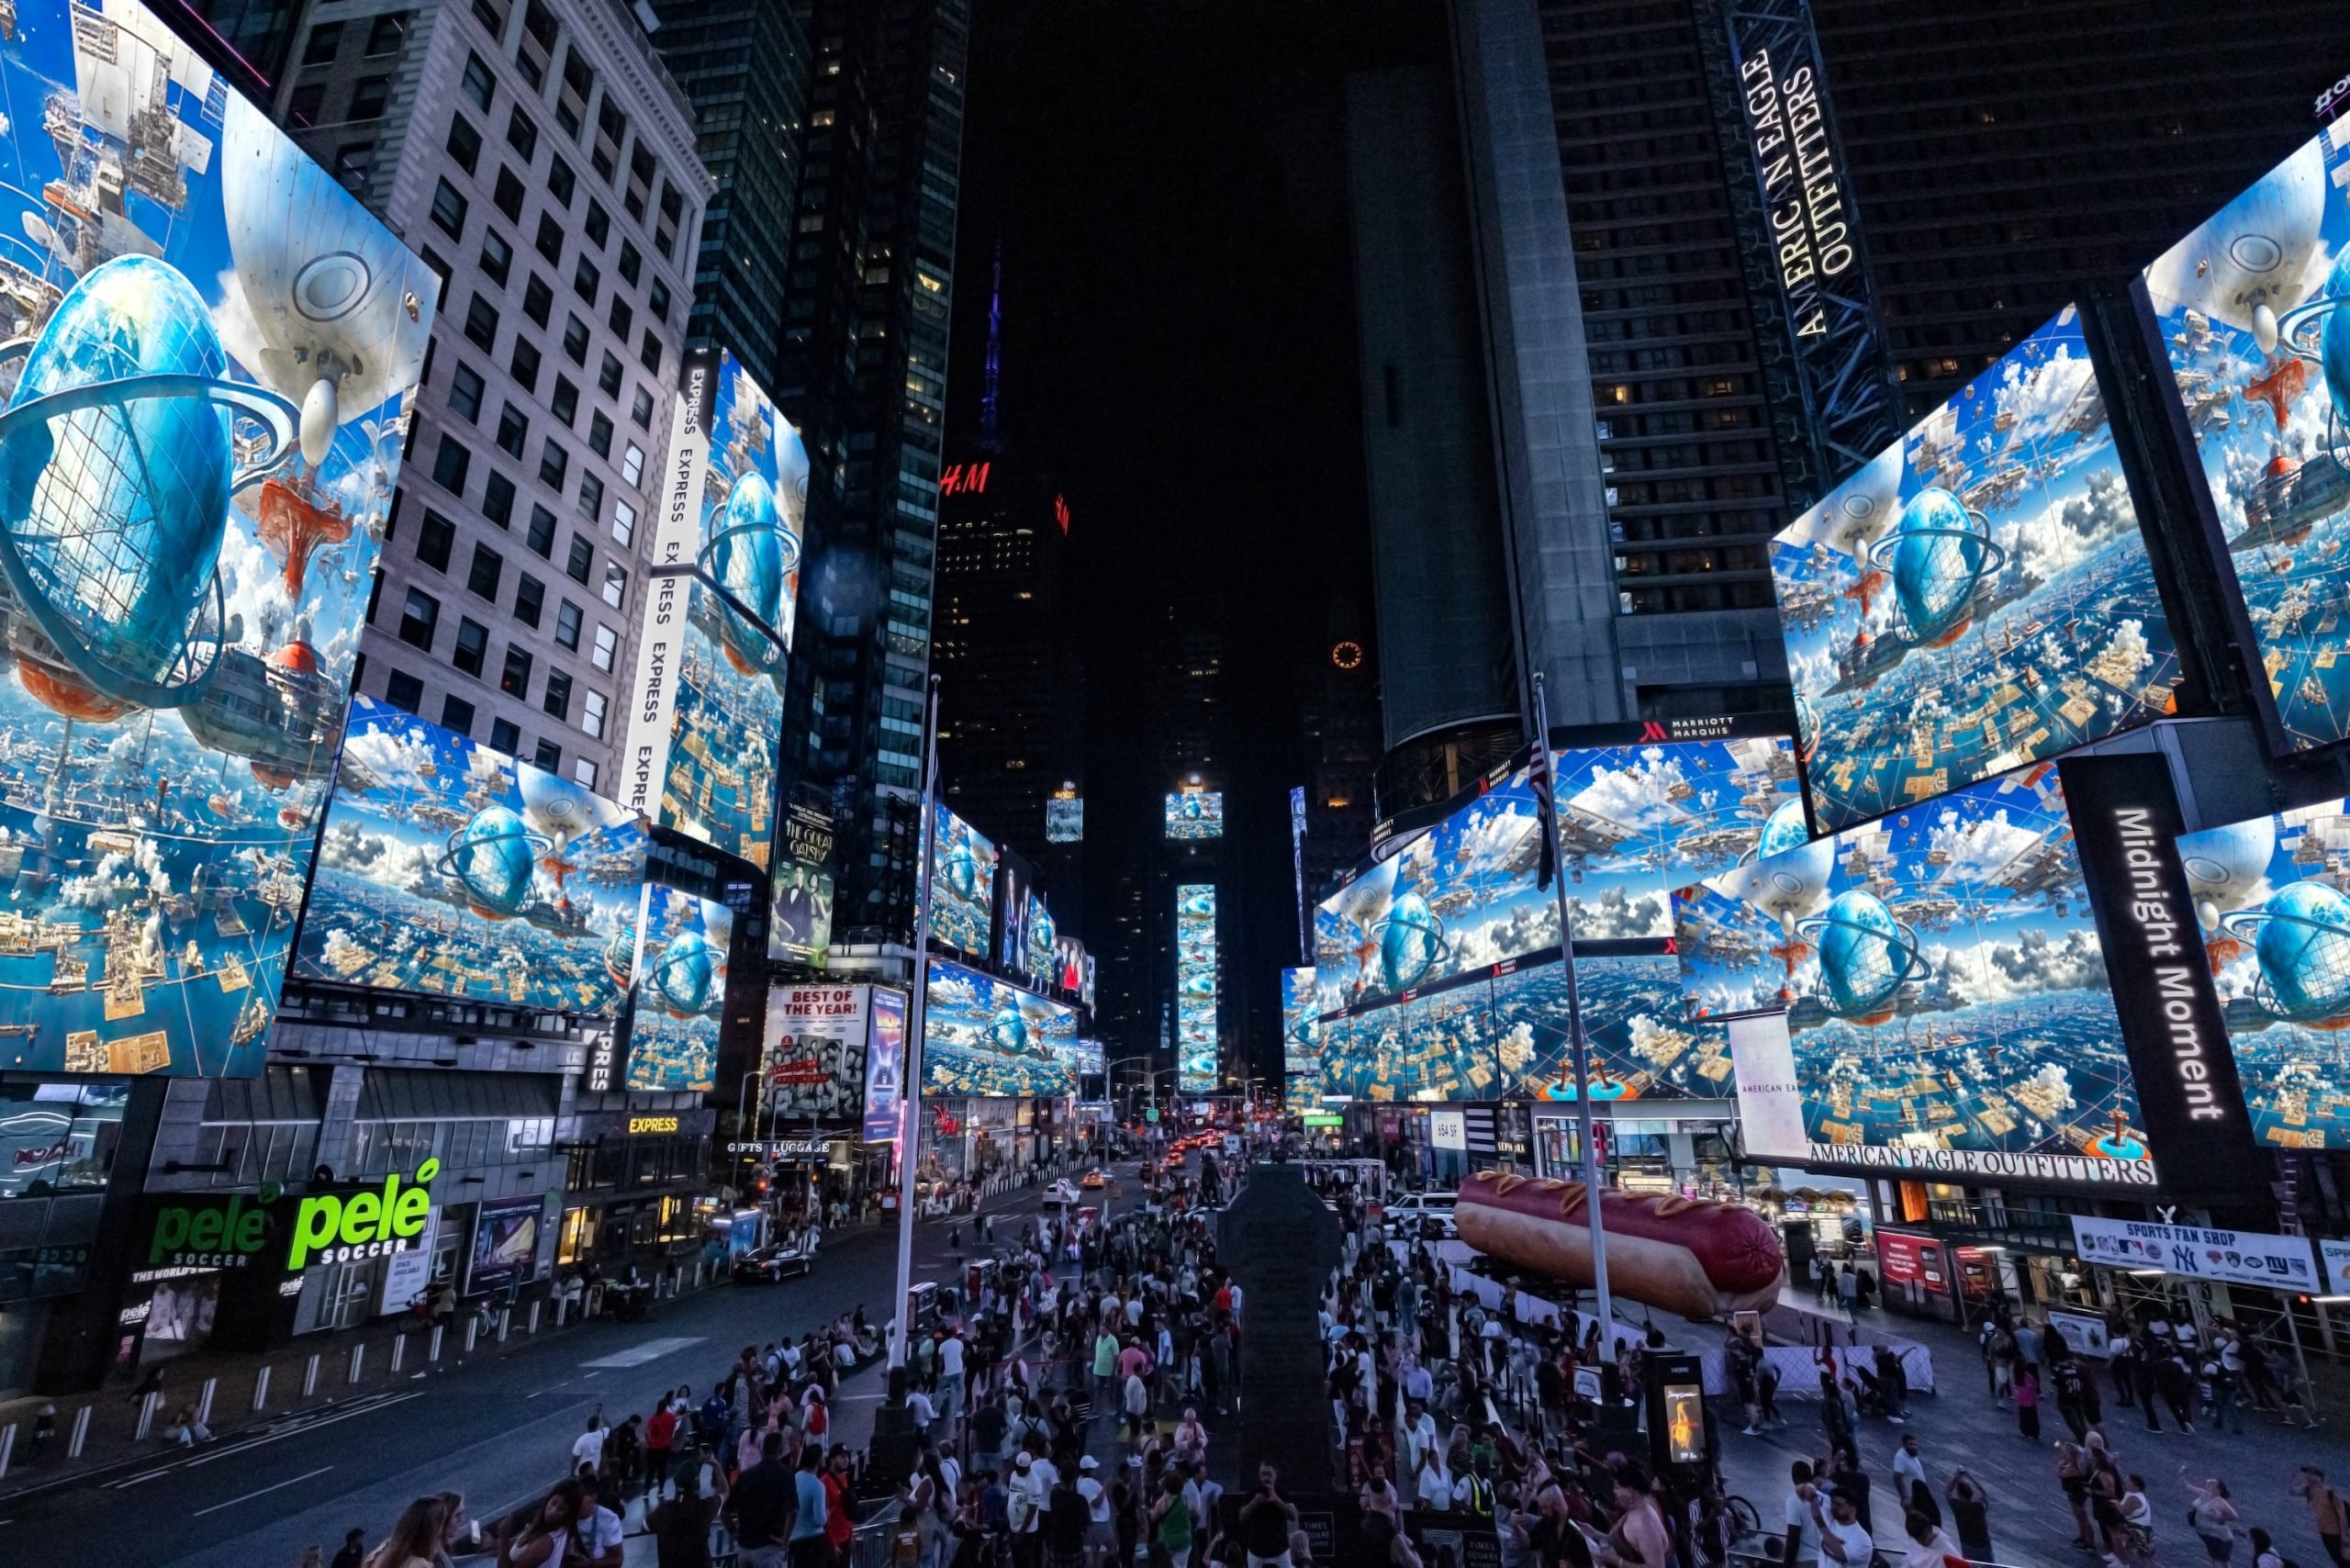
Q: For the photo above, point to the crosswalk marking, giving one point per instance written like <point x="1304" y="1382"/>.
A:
<point x="647" y="1351"/>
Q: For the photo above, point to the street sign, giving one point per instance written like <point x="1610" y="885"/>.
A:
<point x="1320" y="1119"/>
<point x="1151" y="1114"/>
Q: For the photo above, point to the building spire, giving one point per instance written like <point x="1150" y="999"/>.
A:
<point x="990" y="435"/>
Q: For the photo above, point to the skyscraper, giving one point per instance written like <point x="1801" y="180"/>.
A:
<point x="744" y="64"/>
<point x="862" y="372"/>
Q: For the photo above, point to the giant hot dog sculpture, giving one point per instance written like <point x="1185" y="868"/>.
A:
<point x="1698" y="1259"/>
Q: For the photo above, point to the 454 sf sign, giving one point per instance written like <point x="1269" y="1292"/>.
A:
<point x="324" y="1228"/>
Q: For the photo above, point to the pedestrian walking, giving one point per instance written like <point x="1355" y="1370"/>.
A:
<point x="1970" y="1510"/>
<point x="2027" y="1393"/>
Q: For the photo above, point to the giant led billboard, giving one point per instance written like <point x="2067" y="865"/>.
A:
<point x="680" y="989"/>
<point x="717" y="616"/>
<point x="1947" y="1001"/>
<point x="982" y="1036"/>
<point x="800" y="924"/>
<point x="456" y="870"/>
<point x="1038" y="937"/>
<point x="1301" y="1036"/>
<point x="1198" y="988"/>
<point x="1976" y="598"/>
<point x="1195" y="813"/>
<point x="2269" y="894"/>
<point x="1507" y="1037"/>
<point x="2245" y="309"/>
<point x="812" y="1060"/>
<point x="215" y="345"/>
<point x="962" y="884"/>
<point x="1636" y="818"/>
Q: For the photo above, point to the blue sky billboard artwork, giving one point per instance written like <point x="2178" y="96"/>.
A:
<point x="451" y="869"/>
<point x="196" y="462"/>
<point x="1976" y="598"/>
<point x="681" y="991"/>
<point x="962" y="884"/>
<point x="982" y="1036"/>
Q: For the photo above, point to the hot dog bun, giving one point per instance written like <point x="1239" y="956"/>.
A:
<point x="1699" y="1259"/>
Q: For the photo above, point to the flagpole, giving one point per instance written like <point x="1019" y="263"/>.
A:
<point x="1578" y="1044"/>
<point x="909" y="1082"/>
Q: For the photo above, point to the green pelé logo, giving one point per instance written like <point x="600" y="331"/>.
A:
<point x="335" y="1228"/>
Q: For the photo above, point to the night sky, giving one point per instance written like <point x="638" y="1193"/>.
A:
<point x="1167" y="181"/>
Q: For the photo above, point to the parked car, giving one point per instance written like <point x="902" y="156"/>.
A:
<point x="1427" y="1215"/>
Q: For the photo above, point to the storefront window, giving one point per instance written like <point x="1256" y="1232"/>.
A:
<point x="578" y="1238"/>
<point x="59" y="1138"/>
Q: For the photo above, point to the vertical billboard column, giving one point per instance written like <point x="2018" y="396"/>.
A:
<point x="1199" y="988"/>
<point x="197" y="459"/>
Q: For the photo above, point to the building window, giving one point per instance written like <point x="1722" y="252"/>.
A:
<point x="465" y="387"/>
<point x="529" y="599"/>
<point x="541" y="537"/>
<point x="657" y="299"/>
<point x="575" y="341"/>
<point x="607" y="645"/>
<point x="303" y="108"/>
<point x="505" y="735"/>
<point x="566" y="624"/>
<point x="599" y="224"/>
<point x="622" y="318"/>
<point x="583" y="772"/>
<point x="649" y="355"/>
<point x="367" y="101"/>
<point x="403" y="692"/>
<point x="582" y="560"/>
<point x="487" y="568"/>
<point x="633" y="264"/>
<point x="420" y="618"/>
<point x="561" y="181"/>
<point x="458" y="715"/>
<point x="320" y="46"/>
<point x="524" y="363"/>
<point x="507" y="193"/>
<point x="465" y="142"/>
<point x="550" y="237"/>
<point x="631" y="465"/>
<point x="497" y="256"/>
<point x="640" y="412"/>
<point x="593" y="706"/>
<point x="384" y="38"/>
<point x="615" y="585"/>
<point x="607" y="377"/>
<point x="548" y="756"/>
<point x="449" y="210"/>
<point x="481" y="324"/>
<point x="498" y="498"/>
<point x="521" y="135"/>
<point x="450" y="464"/>
<point x="473" y="645"/>
<point x="591" y="493"/>
<point x="565" y="402"/>
<point x="623" y="524"/>
<point x="513" y="431"/>
<point x="515" y="681"/>
<point x="538" y="299"/>
<point x="557" y="700"/>
<point x="433" y="540"/>
<point x="479" y="85"/>
<point x="554" y="463"/>
<point x="353" y="164"/>
<point x="599" y="435"/>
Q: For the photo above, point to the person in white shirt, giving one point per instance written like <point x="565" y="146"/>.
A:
<point x="1908" y="1472"/>
<point x="1803" y="1536"/>
<point x="1101" y="1533"/>
<point x="1843" y="1541"/>
<point x="1930" y="1545"/>
<point x="1433" y="1480"/>
<point x="587" y="1450"/>
<point x="950" y="1376"/>
<point x="926" y="1414"/>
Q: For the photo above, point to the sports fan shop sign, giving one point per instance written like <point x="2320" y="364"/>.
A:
<point x="2199" y="1252"/>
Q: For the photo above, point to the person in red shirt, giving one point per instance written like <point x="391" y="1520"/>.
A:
<point x="1224" y="1302"/>
<point x="660" y="1435"/>
<point x="840" y="1523"/>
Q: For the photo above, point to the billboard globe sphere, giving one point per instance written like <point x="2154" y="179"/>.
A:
<point x="1865" y="954"/>
<point x="2301" y="937"/>
<point x="1939" y="555"/>
<point x="491" y="858"/>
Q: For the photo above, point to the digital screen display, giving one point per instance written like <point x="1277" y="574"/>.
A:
<point x="711" y="677"/>
<point x="813" y="1056"/>
<point x="451" y="869"/>
<point x="681" y="991"/>
<point x="885" y="1066"/>
<point x="1065" y="820"/>
<point x="2244" y="305"/>
<point x="1947" y="1001"/>
<point x="1976" y="598"/>
<point x="1198" y="988"/>
<point x="1635" y="821"/>
<point x="186" y="561"/>
<point x="799" y="926"/>
<point x="983" y="1037"/>
<point x="1037" y="961"/>
<point x="962" y="884"/>
<point x="1508" y="1037"/>
<point x="1086" y="1058"/>
<point x="1301" y="1036"/>
<point x="1069" y="966"/>
<point x="1195" y="813"/>
<point x="2269" y="895"/>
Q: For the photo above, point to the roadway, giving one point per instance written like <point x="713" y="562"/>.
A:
<point x="498" y="1431"/>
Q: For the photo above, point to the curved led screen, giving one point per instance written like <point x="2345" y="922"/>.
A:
<point x="982" y="1036"/>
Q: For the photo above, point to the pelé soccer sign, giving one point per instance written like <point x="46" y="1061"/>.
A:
<point x="326" y="1228"/>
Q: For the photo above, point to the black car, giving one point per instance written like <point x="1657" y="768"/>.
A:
<point x="771" y="1263"/>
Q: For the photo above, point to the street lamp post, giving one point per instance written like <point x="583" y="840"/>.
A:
<point x="910" y="1093"/>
